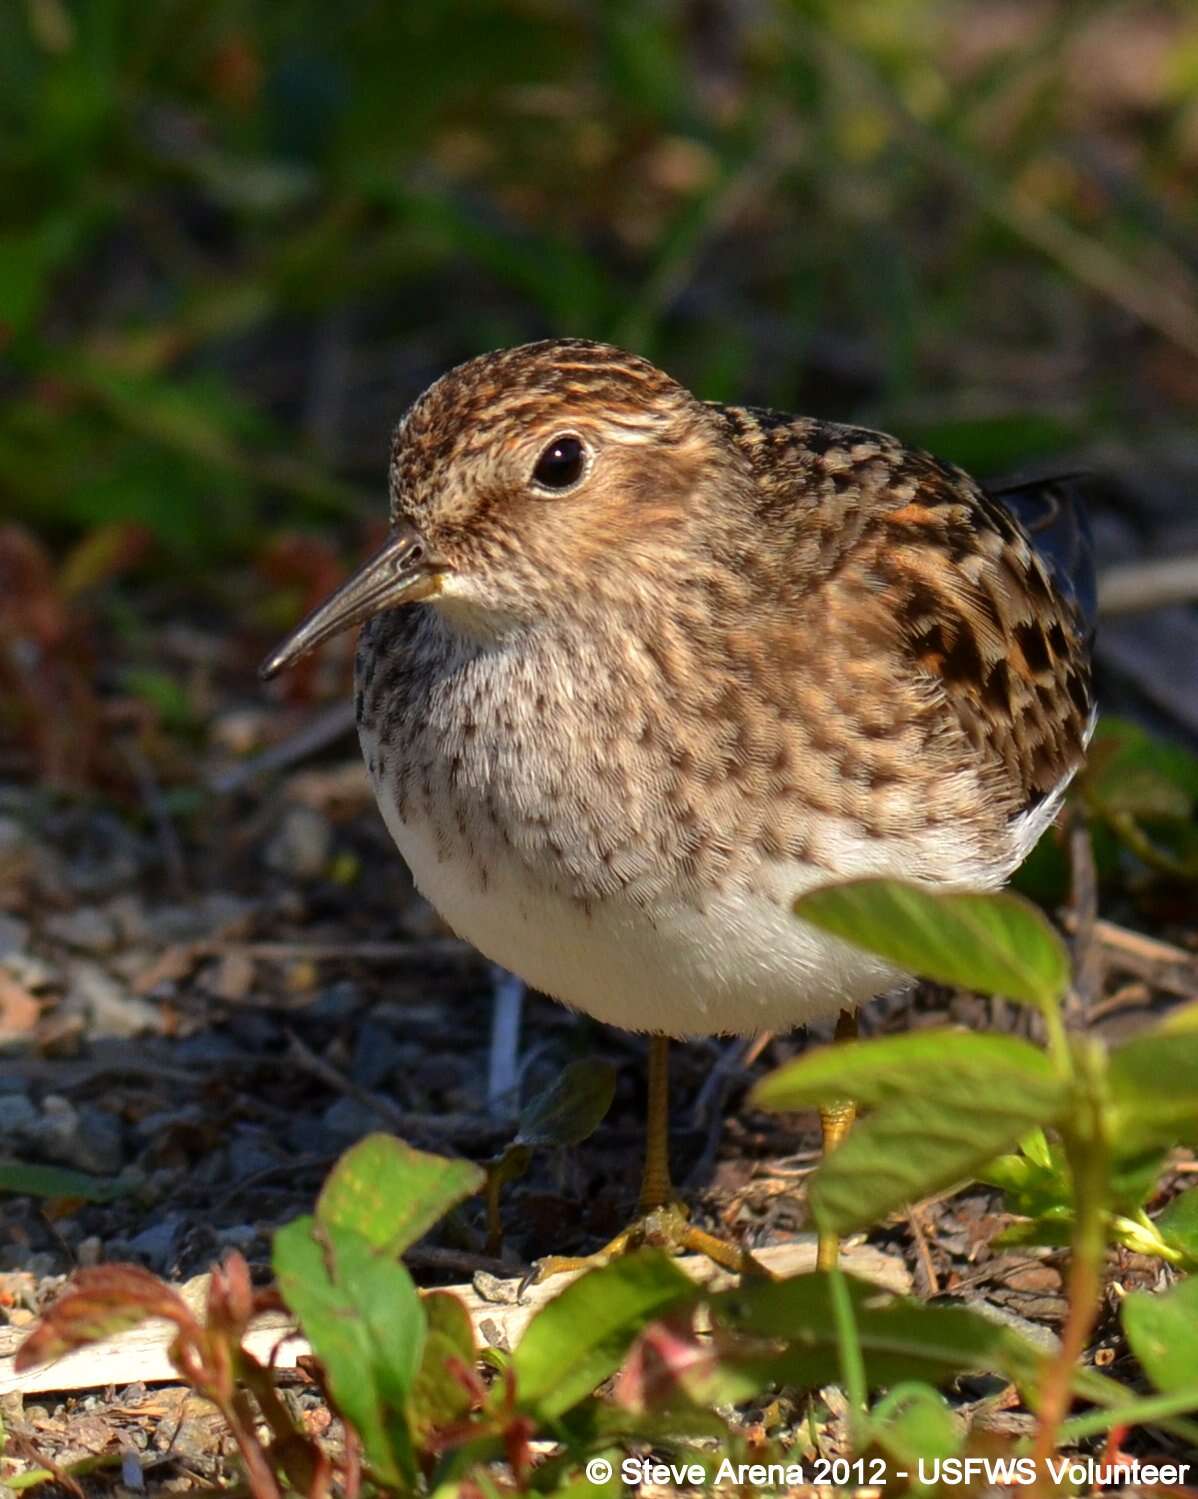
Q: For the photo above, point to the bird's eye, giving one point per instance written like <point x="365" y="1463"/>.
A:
<point x="562" y="463"/>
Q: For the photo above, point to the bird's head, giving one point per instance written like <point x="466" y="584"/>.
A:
<point x="526" y="478"/>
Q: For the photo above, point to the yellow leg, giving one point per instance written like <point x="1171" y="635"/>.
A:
<point x="663" y="1219"/>
<point x="656" y="1188"/>
<point x="835" y="1120"/>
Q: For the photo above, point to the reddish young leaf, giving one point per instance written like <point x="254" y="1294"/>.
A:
<point x="98" y="1303"/>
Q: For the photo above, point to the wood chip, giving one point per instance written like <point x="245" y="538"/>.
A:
<point x="140" y="1355"/>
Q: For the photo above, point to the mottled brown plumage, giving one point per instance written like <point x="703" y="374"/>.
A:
<point x="745" y="653"/>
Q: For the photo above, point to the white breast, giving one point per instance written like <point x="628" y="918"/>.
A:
<point x="743" y="965"/>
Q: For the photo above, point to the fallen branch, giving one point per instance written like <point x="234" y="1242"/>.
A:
<point x="499" y="1314"/>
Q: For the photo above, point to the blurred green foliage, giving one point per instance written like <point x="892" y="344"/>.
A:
<point x="236" y="237"/>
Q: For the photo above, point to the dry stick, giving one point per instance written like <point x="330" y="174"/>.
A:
<point x="1088" y="1154"/>
<point x="1132" y="587"/>
<point x="464" y="1129"/>
<point x="1162" y="964"/>
<point x="923" y="1249"/>
<point x="1083" y="905"/>
<point x="143" y="1353"/>
<point x="312" y="737"/>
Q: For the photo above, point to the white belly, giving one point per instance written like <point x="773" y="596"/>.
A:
<point x="743" y="965"/>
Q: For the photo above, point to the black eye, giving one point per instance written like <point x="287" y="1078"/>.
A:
<point x="561" y="464"/>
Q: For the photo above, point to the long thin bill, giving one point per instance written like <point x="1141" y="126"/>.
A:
<point x="401" y="572"/>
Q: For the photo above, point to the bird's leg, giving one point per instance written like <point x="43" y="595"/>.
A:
<point x="835" y="1121"/>
<point x="663" y="1218"/>
<point x="656" y="1188"/>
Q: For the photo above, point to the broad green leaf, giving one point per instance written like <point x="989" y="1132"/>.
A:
<point x="57" y="1181"/>
<point x="1128" y="771"/>
<point x="580" y="1337"/>
<point x="900" y="1339"/>
<point x="1178" y="1224"/>
<point x="1184" y="1018"/>
<point x="915" y="1421"/>
<point x="582" y="1487"/>
<point x="390" y="1193"/>
<point x="913" y="1147"/>
<point x="438" y="1396"/>
<point x="1163" y="1333"/>
<point x="571" y="1108"/>
<point x="360" y="1311"/>
<point x="1153" y="1083"/>
<point x="997" y="944"/>
<point x="873" y="1072"/>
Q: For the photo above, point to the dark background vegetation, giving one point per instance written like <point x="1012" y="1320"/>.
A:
<point x="237" y="238"/>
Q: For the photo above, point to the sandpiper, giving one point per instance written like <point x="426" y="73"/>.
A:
<point x="637" y="670"/>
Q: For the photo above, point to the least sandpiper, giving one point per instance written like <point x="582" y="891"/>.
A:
<point x="637" y="670"/>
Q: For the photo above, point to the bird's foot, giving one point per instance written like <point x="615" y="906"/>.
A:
<point x="667" y="1227"/>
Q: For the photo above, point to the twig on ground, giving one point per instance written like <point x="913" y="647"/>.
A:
<point x="1132" y="587"/>
<point x="1162" y="964"/>
<point x="317" y="734"/>
<point x="923" y="1249"/>
<point x="1083" y="908"/>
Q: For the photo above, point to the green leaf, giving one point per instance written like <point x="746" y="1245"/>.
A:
<point x="1129" y="772"/>
<point x="1153" y="1082"/>
<point x="916" y="1146"/>
<point x="874" y="1072"/>
<point x="1178" y="1224"/>
<point x="1163" y="1334"/>
<point x="571" y="1108"/>
<point x="56" y="1181"/>
<point x="438" y="1396"/>
<point x="390" y="1193"/>
<point x="358" y="1308"/>
<point x="580" y="1337"/>
<point x="899" y="1339"/>
<point x="997" y="944"/>
<point x="915" y="1421"/>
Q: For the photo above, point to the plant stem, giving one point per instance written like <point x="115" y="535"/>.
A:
<point x="1150" y="1409"/>
<point x="1087" y="1152"/>
<point x="852" y="1365"/>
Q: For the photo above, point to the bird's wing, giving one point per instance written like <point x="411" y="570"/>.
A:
<point x="1053" y="513"/>
<point x="995" y="626"/>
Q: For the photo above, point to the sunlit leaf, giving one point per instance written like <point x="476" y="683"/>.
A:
<point x="361" y="1313"/>
<point x="915" y="1146"/>
<point x="872" y="1072"/>
<point x="996" y="943"/>
<point x="1153" y="1083"/>
<point x="1163" y="1333"/>
<point x="392" y="1194"/>
<point x="580" y="1337"/>
<point x="1178" y="1224"/>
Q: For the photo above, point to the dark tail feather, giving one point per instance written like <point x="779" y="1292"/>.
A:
<point x="1053" y="514"/>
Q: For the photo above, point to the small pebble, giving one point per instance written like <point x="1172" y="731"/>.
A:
<point x="302" y="845"/>
<point x="110" y="1008"/>
<point x="87" y="929"/>
<point x="89" y="1251"/>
